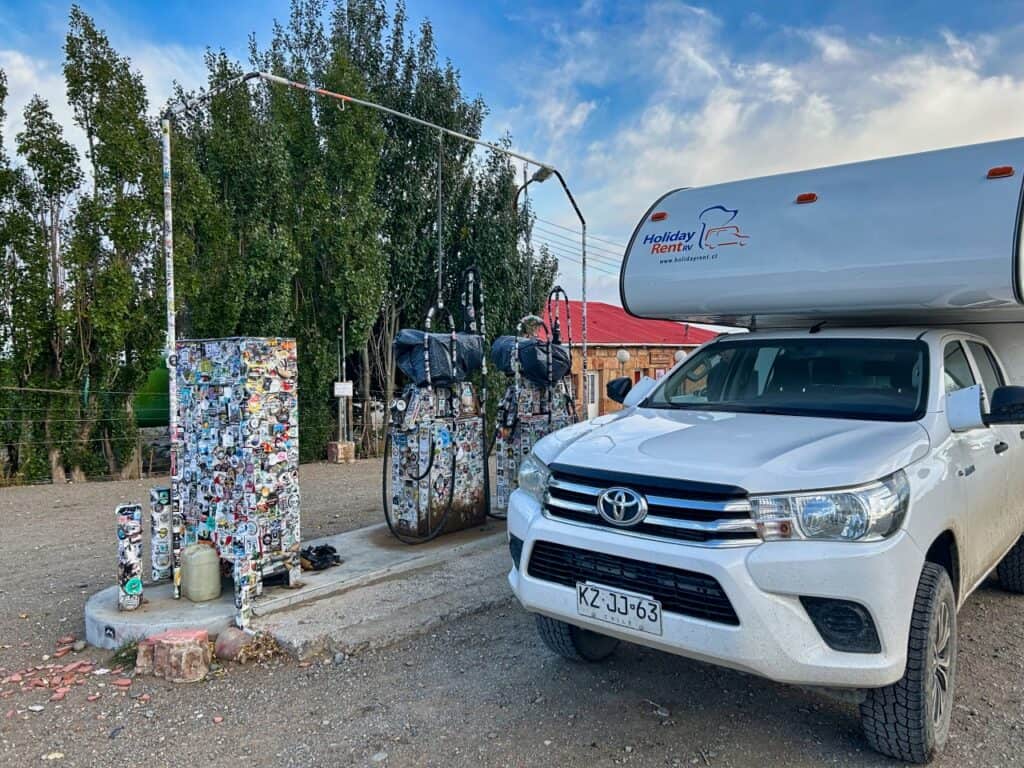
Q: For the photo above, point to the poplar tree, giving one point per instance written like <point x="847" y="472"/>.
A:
<point x="113" y="264"/>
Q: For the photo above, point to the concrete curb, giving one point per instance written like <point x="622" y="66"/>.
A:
<point x="107" y="627"/>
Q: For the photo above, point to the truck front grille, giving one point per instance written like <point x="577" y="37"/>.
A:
<point x="679" y="591"/>
<point x="704" y="513"/>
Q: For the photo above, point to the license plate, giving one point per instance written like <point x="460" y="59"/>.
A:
<point x="624" y="609"/>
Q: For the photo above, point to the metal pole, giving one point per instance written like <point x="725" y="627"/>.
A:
<point x="344" y="377"/>
<point x="440" y="216"/>
<point x="529" y="237"/>
<point x="342" y="401"/>
<point x="583" y="259"/>
<point x="170" y="342"/>
<point x="380" y="108"/>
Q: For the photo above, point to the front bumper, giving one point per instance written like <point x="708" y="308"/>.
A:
<point x="775" y="637"/>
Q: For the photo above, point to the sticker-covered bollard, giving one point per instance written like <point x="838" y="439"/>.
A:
<point x="160" y="533"/>
<point x="129" y="557"/>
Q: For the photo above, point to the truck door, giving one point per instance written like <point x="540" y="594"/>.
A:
<point x="981" y="474"/>
<point x="1008" y="445"/>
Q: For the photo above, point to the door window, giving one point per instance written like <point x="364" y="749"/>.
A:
<point x="991" y="377"/>
<point x="956" y="370"/>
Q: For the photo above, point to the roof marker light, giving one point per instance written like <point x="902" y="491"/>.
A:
<point x="806" y="197"/>
<point x="659" y="216"/>
<point x="1000" y="172"/>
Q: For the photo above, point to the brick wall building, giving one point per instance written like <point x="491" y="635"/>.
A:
<point x="651" y="344"/>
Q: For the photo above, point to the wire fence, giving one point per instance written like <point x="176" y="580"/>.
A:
<point x="44" y="429"/>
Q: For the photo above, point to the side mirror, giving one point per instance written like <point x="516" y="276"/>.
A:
<point x="640" y="392"/>
<point x="963" y="409"/>
<point x="1007" y="406"/>
<point x="617" y="389"/>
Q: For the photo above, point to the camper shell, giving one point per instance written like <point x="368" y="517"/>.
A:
<point x="931" y="238"/>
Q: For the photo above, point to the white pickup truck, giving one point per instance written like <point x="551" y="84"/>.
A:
<point x="811" y="501"/>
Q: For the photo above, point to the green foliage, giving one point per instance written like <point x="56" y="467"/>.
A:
<point x="293" y="215"/>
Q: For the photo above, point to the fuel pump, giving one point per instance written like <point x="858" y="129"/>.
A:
<point x="435" y="451"/>
<point x="539" y="397"/>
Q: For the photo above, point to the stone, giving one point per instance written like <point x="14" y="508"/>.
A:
<point x="78" y="646"/>
<point x="231" y="642"/>
<point x="177" y="655"/>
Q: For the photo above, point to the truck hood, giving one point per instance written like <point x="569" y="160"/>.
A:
<point x="763" y="453"/>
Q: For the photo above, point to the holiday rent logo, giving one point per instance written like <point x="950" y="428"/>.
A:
<point x="717" y="230"/>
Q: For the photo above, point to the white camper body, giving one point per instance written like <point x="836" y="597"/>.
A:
<point x="925" y="238"/>
<point x="814" y="500"/>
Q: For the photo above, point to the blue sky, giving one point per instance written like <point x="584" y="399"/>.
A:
<point x="633" y="98"/>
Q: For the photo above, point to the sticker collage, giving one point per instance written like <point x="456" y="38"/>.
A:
<point x="517" y="436"/>
<point x="433" y="430"/>
<point x="238" y="471"/>
<point x="129" y="556"/>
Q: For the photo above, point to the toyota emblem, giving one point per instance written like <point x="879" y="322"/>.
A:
<point x="622" y="507"/>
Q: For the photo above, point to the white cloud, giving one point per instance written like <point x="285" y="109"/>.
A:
<point x="27" y="76"/>
<point x="160" y="67"/>
<point x="716" y="114"/>
<point x="833" y="49"/>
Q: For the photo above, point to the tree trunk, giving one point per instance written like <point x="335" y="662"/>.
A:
<point x="57" y="289"/>
<point x="391" y="330"/>
<point x="108" y="453"/>
<point x="132" y="469"/>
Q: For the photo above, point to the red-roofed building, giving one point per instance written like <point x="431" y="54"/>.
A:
<point x="652" y="346"/>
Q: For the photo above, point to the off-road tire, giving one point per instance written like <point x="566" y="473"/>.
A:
<point x="909" y="720"/>
<point x="575" y="643"/>
<point x="1011" y="569"/>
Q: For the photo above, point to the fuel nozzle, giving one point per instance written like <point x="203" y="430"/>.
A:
<point x="556" y="332"/>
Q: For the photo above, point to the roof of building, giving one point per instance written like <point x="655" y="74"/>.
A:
<point x="609" y="324"/>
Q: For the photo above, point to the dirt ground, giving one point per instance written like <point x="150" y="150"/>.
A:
<point x="482" y="692"/>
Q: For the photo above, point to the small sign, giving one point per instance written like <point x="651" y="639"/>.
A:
<point x="343" y="389"/>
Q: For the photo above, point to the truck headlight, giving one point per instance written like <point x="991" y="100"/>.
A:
<point x="534" y="477"/>
<point x="865" y="513"/>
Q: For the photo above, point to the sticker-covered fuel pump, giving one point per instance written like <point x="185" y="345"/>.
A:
<point x="539" y="398"/>
<point x="435" y="451"/>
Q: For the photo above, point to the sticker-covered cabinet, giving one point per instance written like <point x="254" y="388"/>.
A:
<point x="238" y="474"/>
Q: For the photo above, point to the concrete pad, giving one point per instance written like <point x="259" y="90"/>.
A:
<point x="371" y="555"/>
<point x="397" y="605"/>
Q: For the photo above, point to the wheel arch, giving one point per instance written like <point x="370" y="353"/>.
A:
<point x="945" y="551"/>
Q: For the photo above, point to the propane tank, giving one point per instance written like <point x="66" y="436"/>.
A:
<point x="200" y="573"/>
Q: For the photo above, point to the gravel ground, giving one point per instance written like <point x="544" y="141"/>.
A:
<point x="482" y="692"/>
<point x="58" y="545"/>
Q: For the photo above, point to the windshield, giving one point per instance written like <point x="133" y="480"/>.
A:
<point x="882" y="379"/>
